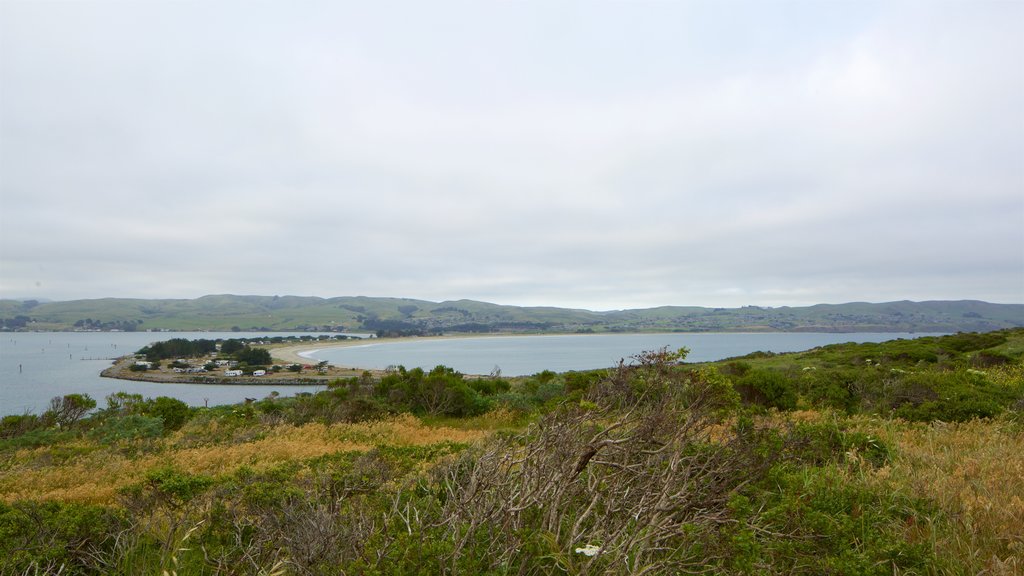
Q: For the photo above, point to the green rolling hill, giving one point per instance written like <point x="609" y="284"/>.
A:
<point x="397" y="316"/>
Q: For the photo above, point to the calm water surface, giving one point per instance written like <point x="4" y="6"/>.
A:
<point x="522" y="355"/>
<point x="35" y="367"/>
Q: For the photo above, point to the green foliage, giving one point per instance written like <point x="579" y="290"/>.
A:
<point x="767" y="388"/>
<point x="18" y="424"/>
<point x="930" y="378"/>
<point x="231" y="346"/>
<point x="333" y="405"/>
<point x="166" y="487"/>
<point x="489" y="386"/>
<point x="990" y="358"/>
<point x="253" y="356"/>
<point x="954" y="396"/>
<point x="442" y="391"/>
<point x="36" y="438"/>
<point x="838" y="388"/>
<point x="128" y="428"/>
<point x="971" y="341"/>
<point x="735" y="368"/>
<point x="124" y="403"/>
<point x="55" y="538"/>
<point x="172" y="411"/>
<point x="68" y="409"/>
<point x="582" y="381"/>
<point x="178" y="348"/>
<point x="827" y="442"/>
<point x="831" y="526"/>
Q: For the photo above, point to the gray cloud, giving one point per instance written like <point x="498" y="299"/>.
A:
<point x="592" y="155"/>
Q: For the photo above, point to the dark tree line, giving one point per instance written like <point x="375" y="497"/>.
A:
<point x="178" y="348"/>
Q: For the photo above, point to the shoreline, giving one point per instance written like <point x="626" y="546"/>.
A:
<point x="302" y="353"/>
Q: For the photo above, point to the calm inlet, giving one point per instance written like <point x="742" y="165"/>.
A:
<point x="522" y="355"/>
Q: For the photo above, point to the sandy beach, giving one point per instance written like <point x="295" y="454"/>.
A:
<point x="292" y="353"/>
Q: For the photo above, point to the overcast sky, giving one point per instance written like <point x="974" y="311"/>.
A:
<point x="598" y="155"/>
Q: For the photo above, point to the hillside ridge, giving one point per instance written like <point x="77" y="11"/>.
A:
<point x="409" y="316"/>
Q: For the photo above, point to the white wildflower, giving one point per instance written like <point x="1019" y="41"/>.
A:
<point x="589" y="550"/>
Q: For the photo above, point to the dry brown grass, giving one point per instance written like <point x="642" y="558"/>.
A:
<point x="974" y="472"/>
<point x="96" y="476"/>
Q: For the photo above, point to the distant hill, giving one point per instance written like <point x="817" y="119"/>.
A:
<point x="403" y="316"/>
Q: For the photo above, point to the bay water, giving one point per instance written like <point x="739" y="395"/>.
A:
<point x="523" y="355"/>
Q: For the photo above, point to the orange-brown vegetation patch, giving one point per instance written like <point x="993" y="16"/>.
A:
<point x="98" y="474"/>
<point x="974" y="472"/>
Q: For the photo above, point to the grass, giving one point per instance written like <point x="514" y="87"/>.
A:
<point x="974" y="473"/>
<point x="94" y="474"/>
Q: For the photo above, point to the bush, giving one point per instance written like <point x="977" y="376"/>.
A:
<point x="37" y="437"/>
<point x="989" y="358"/>
<point x="18" y="424"/>
<point x="130" y="427"/>
<point x="971" y="341"/>
<point x="172" y="411"/>
<point x="124" y="403"/>
<point x="949" y="396"/>
<point x="832" y="389"/>
<point x="489" y="386"/>
<point x="164" y="487"/>
<point x="582" y="381"/>
<point x="55" y="538"/>
<point x="767" y="388"/>
<point x="822" y="443"/>
<point x="811" y="520"/>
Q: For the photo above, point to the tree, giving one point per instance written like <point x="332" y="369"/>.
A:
<point x="231" y="346"/>
<point x="253" y="356"/>
<point x="66" y="410"/>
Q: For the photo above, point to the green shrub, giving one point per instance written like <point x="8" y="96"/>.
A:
<point x="172" y="411"/>
<point x="581" y="381"/>
<point x="767" y="388"/>
<point x="831" y="389"/>
<point x="36" y="438"/>
<point x="735" y="368"/>
<point x="165" y="487"/>
<point x="990" y="358"/>
<point x="971" y="341"/>
<point x="810" y="520"/>
<point x="130" y="427"/>
<point x="822" y="443"/>
<point x="489" y="386"/>
<point x="56" y="538"/>
<point x="954" y="396"/>
<point x="18" y="424"/>
<point x="125" y="403"/>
